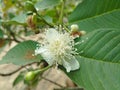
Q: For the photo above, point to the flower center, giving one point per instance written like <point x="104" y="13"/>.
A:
<point x="57" y="43"/>
<point x="56" y="47"/>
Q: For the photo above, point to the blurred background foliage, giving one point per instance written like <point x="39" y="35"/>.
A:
<point x="28" y="17"/>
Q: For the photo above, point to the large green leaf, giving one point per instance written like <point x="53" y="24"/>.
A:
<point x="22" y="54"/>
<point x="98" y="50"/>
<point x="95" y="14"/>
<point x="99" y="58"/>
<point x="44" y="4"/>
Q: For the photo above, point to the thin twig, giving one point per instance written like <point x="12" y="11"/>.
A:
<point x="61" y="12"/>
<point x="70" y="88"/>
<point x="13" y="72"/>
<point x="45" y="20"/>
<point x="52" y="82"/>
<point x="13" y="35"/>
<point x="9" y="39"/>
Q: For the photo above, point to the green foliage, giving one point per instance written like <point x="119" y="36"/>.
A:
<point x="1" y="34"/>
<point x="48" y="19"/>
<point x="99" y="59"/>
<point x="20" y="19"/>
<point x="94" y="14"/>
<point x="22" y="54"/>
<point x="30" y="6"/>
<point x="96" y="75"/>
<point x="99" y="49"/>
<point x="18" y="79"/>
<point x="44" y="4"/>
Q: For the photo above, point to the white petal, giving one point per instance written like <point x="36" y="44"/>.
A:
<point x="40" y="50"/>
<point x="49" y="58"/>
<point x="45" y="53"/>
<point x="71" y="64"/>
<point x="67" y="66"/>
<point x="51" y="35"/>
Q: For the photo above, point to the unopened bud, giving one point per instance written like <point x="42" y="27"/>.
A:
<point x="74" y="27"/>
<point x="30" y="22"/>
<point x="78" y="33"/>
<point x="83" y="32"/>
<point x="75" y="34"/>
<point x="30" y="76"/>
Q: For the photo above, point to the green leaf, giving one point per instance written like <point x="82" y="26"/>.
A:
<point x="44" y="4"/>
<point x="48" y="19"/>
<point x="1" y="34"/>
<point x="22" y="54"/>
<point x="95" y="14"/>
<point x="30" y="6"/>
<point x="20" y="19"/>
<point x="18" y="79"/>
<point x="99" y="58"/>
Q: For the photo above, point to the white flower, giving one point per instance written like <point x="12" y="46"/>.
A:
<point x="58" y="48"/>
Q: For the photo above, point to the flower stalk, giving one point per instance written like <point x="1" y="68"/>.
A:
<point x="61" y="13"/>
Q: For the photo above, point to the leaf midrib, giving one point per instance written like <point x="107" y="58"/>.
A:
<point x="99" y="60"/>
<point x="95" y="16"/>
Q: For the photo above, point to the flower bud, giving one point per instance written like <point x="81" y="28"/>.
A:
<point x="83" y="32"/>
<point x="30" y="76"/>
<point x="31" y="21"/>
<point x="74" y="27"/>
<point x="34" y="17"/>
<point x="75" y="32"/>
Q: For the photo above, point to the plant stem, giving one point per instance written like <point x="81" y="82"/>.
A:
<point x="11" y="73"/>
<point x="64" y="26"/>
<point x="61" y="13"/>
<point x="52" y="82"/>
<point x="14" y="37"/>
<point x="44" y="20"/>
<point x="70" y="88"/>
<point x="42" y="70"/>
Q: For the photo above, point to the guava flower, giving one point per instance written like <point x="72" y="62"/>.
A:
<point x="58" y="49"/>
